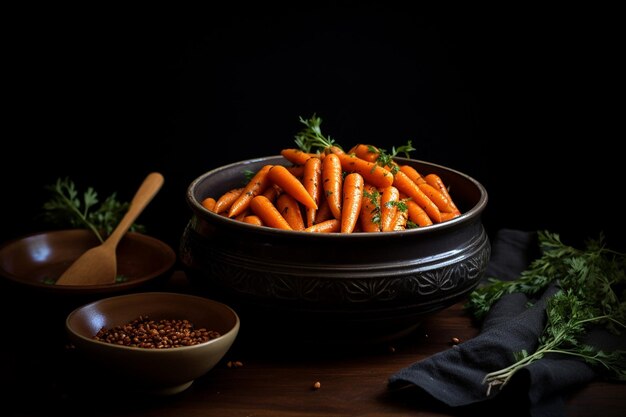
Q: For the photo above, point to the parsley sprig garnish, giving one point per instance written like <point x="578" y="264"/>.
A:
<point x="591" y="284"/>
<point x="311" y="137"/>
<point x="385" y="159"/>
<point x="67" y="208"/>
<point x="374" y="198"/>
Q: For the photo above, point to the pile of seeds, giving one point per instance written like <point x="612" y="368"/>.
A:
<point x="162" y="334"/>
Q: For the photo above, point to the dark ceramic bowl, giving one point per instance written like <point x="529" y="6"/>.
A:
<point x="150" y="370"/>
<point x="335" y="287"/>
<point x="34" y="262"/>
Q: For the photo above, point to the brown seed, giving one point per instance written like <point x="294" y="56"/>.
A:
<point x="146" y="333"/>
<point x="317" y="385"/>
<point x="456" y="340"/>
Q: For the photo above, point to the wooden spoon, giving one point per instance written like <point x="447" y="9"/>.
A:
<point x="98" y="266"/>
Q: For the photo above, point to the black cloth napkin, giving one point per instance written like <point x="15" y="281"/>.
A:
<point x="455" y="376"/>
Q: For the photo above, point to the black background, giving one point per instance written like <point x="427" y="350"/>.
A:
<point x="524" y="100"/>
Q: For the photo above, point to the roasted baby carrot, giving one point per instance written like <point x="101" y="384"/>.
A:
<point x="312" y="179"/>
<point x="369" y="217"/>
<point x="208" y="203"/>
<point x="412" y="174"/>
<point x="405" y="185"/>
<point x="327" y="226"/>
<point x="449" y="216"/>
<point x="332" y="183"/>
<point x="280" y="176"/>
<point x="253" y="219"/>
<point x="296" y="170"/>
<point x="290" y="210"/>
<point x="436" y="181"/>
<point x="371" y="172"/>
<point x="351" y="203"/>
<point x="295" y="156"/>
<point x="401" y="219"/>
<point x="436" y="197"/>
<point x="333" y="149"/>
<point x="268" y="213"/>
<point x="388" y="208"/>
<point x="271" y="192"/>
<point x="417" y="214"/>
<point x="242" y="215"/>
<point x="255" y="186"/>
<point x="226" y="200"/>
<point x="323" y="212"/>
<point x="366" y="152"/>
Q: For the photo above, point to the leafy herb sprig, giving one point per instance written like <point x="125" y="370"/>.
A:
<point x="376" y="211"/>
<point x="311" y="139"/>
<point x="66" y="208"/>
<point x="591" y="281"/>
<point x="374" y="198"/>
<point x="385" y="159"/>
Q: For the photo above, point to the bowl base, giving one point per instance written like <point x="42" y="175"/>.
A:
<point x="164" y="391"/>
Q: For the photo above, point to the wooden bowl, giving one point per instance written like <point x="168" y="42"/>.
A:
<point x="35" y="261"/>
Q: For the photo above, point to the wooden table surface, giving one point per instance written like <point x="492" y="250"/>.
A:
<point x="42" y="373"/>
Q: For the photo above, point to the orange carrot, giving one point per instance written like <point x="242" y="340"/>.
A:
<point x="332" y="183"/>
<point x="242" y="215"/>
<point x="327" y="226"/>
<point x="436" y="197"/>
<point x="371" y="173"/>
<point x="388" y="208"/>
<point x="417" y="214"/>
<point x="333" y="149"/>
<point x="271" y="192"/>
<point x="255" y="186"/>
<point x="268" y="213"/>
<point x="449" y="216"/>
<point x="436" y="181"/>
<point x="366" y="152"/>
<point x="280" y="176"/>
<point x="405" y="185"/>
<point x="312" y="179"/>
<point x="296" y="170"/>
<point x="208" y="203"/>
<point x="295" y="156"/>
<point x="323" y="212"/>
<point x="369" y="217"/>
<point x="253" y="219"/>
<point x="351" y="204"/>
<point x="412" y="174"/>
<point x="226" y="200"/>
<point x="400" y="220"/>
<point x="290" y="210"/>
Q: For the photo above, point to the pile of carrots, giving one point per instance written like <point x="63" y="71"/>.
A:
<point x="338" y="192"/>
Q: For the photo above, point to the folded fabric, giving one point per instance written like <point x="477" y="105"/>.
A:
<point x="514" y="323"/>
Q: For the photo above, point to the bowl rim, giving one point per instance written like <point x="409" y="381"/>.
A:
<point x="232" y="332"/>
<point x="170" y="258"/>
<point x="197" y="207"/>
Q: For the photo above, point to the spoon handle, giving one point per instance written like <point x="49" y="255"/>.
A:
<point x="148" y="189"/>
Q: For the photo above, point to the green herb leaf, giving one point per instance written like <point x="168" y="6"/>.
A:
<point x="66" y="209"/>
<point x="591" y="282"/>
<point x="311" y="136"/>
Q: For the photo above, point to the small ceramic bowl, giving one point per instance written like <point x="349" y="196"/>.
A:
<point x="36" y="261"/>
<point x="150" y="370"/>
